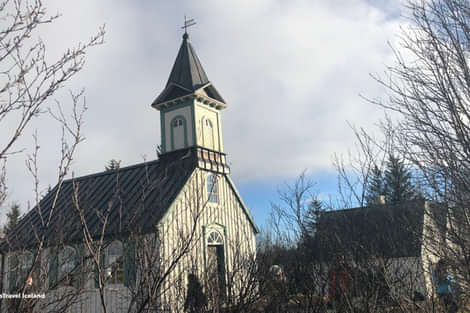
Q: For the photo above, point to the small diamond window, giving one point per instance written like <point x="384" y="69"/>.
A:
<point x="215" y="239"/>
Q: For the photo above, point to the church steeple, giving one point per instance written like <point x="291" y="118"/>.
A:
<point x="190" y="109"/>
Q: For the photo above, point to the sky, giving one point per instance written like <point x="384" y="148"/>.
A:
<point x="291" y="72"/>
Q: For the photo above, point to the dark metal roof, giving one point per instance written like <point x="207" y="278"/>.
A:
<point x="133" y="198"/>
<point x="382" y="230"/>
<point x="187" y="76"/>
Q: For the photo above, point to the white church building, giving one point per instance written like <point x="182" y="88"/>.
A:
<point x="127" y="239"/>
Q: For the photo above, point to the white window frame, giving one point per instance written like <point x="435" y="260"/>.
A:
<point x="114" y="263"/>
<point x="214" y="238"/>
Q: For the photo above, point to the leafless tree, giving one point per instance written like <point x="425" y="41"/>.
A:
<point x="293" y="279"/>
<point x="429" y="95"/>
<point x="290" y="215"/>
<point x="29" y="263"/>
<point x="29" y="80"/>
<point x="355" y="169"/>
<point x="355" y="260"/>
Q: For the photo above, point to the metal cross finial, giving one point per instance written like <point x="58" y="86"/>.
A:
<point x="188" y="23"/>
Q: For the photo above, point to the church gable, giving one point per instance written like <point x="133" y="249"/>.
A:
<point x="208" y="219"/>
<point x="210" y="198"/>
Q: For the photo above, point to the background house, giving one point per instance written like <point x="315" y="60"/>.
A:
<point x="398" y="243"/>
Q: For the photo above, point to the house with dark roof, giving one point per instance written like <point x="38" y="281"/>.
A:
<point x="128" y="238"/>
<point x="404" y="241"/>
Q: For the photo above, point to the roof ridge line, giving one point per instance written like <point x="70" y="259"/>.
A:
<point x="190" y="59"/>
<point x="197" y="64"/>
<point x="375" y="206"/>
<point x="109" y="172"/>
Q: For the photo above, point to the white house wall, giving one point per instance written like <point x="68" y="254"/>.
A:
<point x="430" y="249"/>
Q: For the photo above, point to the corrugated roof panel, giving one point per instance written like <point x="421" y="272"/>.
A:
<point x="116" y="194"/>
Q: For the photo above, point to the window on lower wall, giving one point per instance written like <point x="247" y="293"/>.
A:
<point x="13" y="270"/>
<point x="114" y="263"/>
<point x="22" y="272"/>
<point x="117" y="264"/>
<point x="26" y="269"/>
<point x="68" y="266"/>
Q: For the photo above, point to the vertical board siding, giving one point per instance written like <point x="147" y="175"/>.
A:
<point x="227" y="216"/>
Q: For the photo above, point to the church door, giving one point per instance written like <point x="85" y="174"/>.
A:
<point x="216" y="264"/>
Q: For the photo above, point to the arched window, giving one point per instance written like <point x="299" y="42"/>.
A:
<point x="212" y="188"/>
<point x="179" y="137"/>
<point x="215" y="238"/>
<point x="114" y="263"/>
<point x="178" y="122"/>
<point x="68" y="262"/>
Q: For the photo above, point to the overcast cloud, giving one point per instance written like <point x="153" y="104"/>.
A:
<point x="290" y="71"/>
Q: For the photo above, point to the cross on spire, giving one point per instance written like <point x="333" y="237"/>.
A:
<point x="187" y="23"/>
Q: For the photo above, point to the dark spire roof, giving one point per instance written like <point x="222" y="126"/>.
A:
<point x="187" y="76"/>
<point x="187" y="71"/>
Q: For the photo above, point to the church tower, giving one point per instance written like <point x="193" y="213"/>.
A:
<point x="190" y="107"/>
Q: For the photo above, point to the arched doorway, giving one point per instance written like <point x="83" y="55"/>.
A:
<point x="216" y="262"/>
